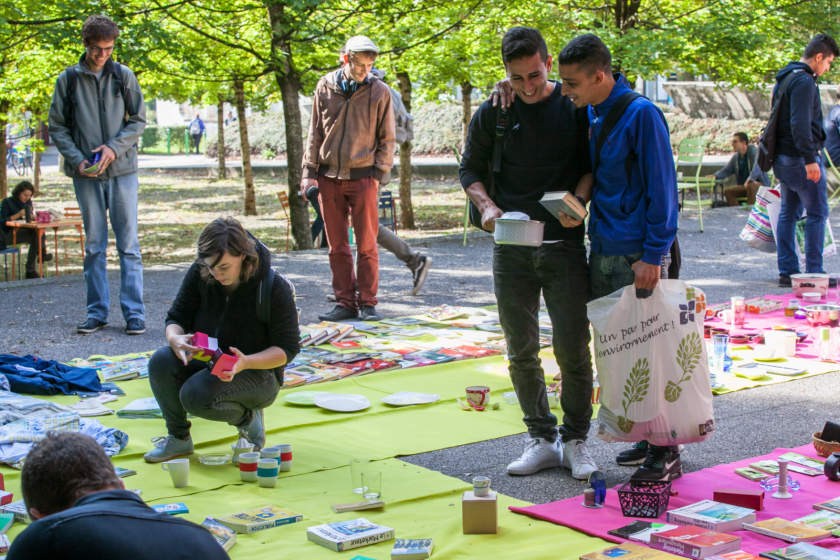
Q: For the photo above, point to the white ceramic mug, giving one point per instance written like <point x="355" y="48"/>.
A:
<point x="179" y="470"/>
<point x="267" y="472"/>
<point x="248" y="466"/>
<point x="481" y="486"/>
<point x="285" y="457"/>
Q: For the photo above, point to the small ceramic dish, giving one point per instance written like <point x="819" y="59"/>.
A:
<point x="812" y="297"/>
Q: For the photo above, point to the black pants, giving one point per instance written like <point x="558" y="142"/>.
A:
<point x="29" y="237"/>
<point x="181" y="389"/>
<point x="196" y="140"/>
<point x="558" y="270"/>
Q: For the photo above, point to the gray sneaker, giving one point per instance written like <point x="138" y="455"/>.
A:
<point x="255" y="432"/>
<point x="169" y="447"/>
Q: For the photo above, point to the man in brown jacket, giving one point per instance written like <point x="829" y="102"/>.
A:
<point x="349" y="149"/>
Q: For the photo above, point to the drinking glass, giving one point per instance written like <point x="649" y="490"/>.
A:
<point x="372" y="483"/>
<point x="719" y="344"/>
<point x="356" y="468"/>
<point x="739" y="311"/>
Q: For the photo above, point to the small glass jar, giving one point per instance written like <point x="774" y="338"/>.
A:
<point x="791" y="307"/>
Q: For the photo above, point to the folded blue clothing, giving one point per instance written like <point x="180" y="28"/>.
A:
<point x="31" y="375"/>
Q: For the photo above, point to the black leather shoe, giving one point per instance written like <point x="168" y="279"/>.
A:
<point x="339" y="313"/>
<point x="784" y="281"/>
<point x="90" y="326"/>
<point x="368" y="313"/>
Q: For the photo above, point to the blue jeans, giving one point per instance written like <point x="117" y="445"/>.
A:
<point x="559" y="271"/>
<point x="117" y="198"/>
<point x="798" y="193"/>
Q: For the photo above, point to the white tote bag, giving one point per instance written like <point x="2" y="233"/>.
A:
<point x="652" y="365"/>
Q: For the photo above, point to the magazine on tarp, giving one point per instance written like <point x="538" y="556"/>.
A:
<point x="801" y="551"/>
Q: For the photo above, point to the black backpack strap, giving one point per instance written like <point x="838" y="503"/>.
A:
<point x="610" y="120"/>
<point x="502" y="120"/>
<point x="70" y="100"/>
<point x="121" y="90"/>
<point x="264" y="298"/>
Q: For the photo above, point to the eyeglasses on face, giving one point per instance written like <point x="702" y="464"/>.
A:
<point x="99" y="50"/>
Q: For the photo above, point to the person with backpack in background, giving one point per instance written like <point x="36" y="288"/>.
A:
<point x="796" y="160"/>
<point x="97" y="109"/>
<point x="196" y="132"/>
<point x="832" y="133"/>
<point x="350" y="147"/>
<point x="540" y="146"/>
<point x="220" y="296"/>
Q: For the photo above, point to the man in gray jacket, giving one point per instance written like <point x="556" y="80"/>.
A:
<point x="97" y="109"/>
<point x="740" y="165"/>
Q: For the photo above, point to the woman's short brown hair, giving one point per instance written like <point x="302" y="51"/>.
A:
<point x="21" y="187"/>
<point x="226" y="235"/>
<point x="99" y="28"/>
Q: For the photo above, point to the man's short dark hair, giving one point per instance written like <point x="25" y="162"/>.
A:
<point x="21" y="187"/>
<point x="589" y="52"/>
<point x="99" y="28"/>
<point x="821" y="44"/>
<point x="523" y="42"/>
<point x="742" y="136"/>
<point x="62" y="468"/>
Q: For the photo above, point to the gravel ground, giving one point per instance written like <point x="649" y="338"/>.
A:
<point x="40" y="317"/>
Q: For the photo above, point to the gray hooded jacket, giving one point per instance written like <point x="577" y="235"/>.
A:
<point x="100" y="119"/>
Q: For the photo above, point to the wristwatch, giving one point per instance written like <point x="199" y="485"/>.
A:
<point x="832" y="466"/>
<point x="580" y="199"/>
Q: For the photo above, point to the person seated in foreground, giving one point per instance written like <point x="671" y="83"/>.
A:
<point x="81" y="509"/>
<point x="740" y="165"/>
<point x="219" y="297"/>
<point x="14" y="208"/>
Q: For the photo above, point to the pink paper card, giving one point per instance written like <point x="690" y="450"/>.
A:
<point x="209" y="346"/>
<point x="224" y="363"/>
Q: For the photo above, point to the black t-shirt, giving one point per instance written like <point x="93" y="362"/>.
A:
<point x="545" y="149"/>
<point x="8" y="208"/>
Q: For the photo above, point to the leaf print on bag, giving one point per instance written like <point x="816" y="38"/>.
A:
<point x="688" y="356"/>
<point x="634" y="392"/>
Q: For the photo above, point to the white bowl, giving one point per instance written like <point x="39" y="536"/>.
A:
<point x="811" y="297"/>
<point x="519" y="232"/>
<point x="764" y="352"/>
<point x="809" y="282"/>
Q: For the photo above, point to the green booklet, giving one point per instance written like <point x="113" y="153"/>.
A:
<point x="825" y="520"/>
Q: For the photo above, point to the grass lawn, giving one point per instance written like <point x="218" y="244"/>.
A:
<point x="174" y="209"/>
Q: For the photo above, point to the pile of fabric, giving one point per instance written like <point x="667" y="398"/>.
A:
<point x="24" y="421"/>
<point x="34" y="376"/>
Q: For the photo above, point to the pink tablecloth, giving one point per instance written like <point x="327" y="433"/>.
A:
<point x="692" y="488"/>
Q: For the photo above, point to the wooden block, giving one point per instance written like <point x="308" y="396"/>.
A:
<point x="752" y="499"/>
<point x="480" y="514"/>
<point x="357" y="506"/>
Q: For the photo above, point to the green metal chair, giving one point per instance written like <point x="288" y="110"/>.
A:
<point x="691" y="150"/>
<point x="467" y="206"/>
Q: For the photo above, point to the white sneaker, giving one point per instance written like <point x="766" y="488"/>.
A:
<point x="538" y="455"/>
<point x="576" y="458"/>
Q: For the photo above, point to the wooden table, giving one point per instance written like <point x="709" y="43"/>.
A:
<point x="40" y="230"/>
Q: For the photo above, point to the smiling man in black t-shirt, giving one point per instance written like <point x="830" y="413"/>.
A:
<point x="545" y="148"/>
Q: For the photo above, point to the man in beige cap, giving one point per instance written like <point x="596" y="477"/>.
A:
<point x="349" y="149"/>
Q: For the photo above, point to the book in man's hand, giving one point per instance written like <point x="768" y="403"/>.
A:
<point x="563" y="201"/>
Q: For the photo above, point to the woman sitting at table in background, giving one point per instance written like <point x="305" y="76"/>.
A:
<point x="14" y="208"/>
<point x="219" y="297"/>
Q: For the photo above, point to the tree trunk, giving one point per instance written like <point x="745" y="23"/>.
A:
<point x="466" y="106"/>
<point x="36" y="165"/>
<point x="4" y="108"/>
<point x="288" y="80"/>
<point x="250" y="197"/>
<point x="406" y="209"/>
<point x="220" y="116"/>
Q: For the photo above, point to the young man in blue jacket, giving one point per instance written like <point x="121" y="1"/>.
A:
<point x="797" y="162"/>
<point x="633" y="209"/>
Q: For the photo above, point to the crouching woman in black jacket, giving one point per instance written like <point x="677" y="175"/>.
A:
<point x="219" y="297"/>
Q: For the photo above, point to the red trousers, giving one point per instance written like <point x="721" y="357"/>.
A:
<point x="358" y="198"/>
